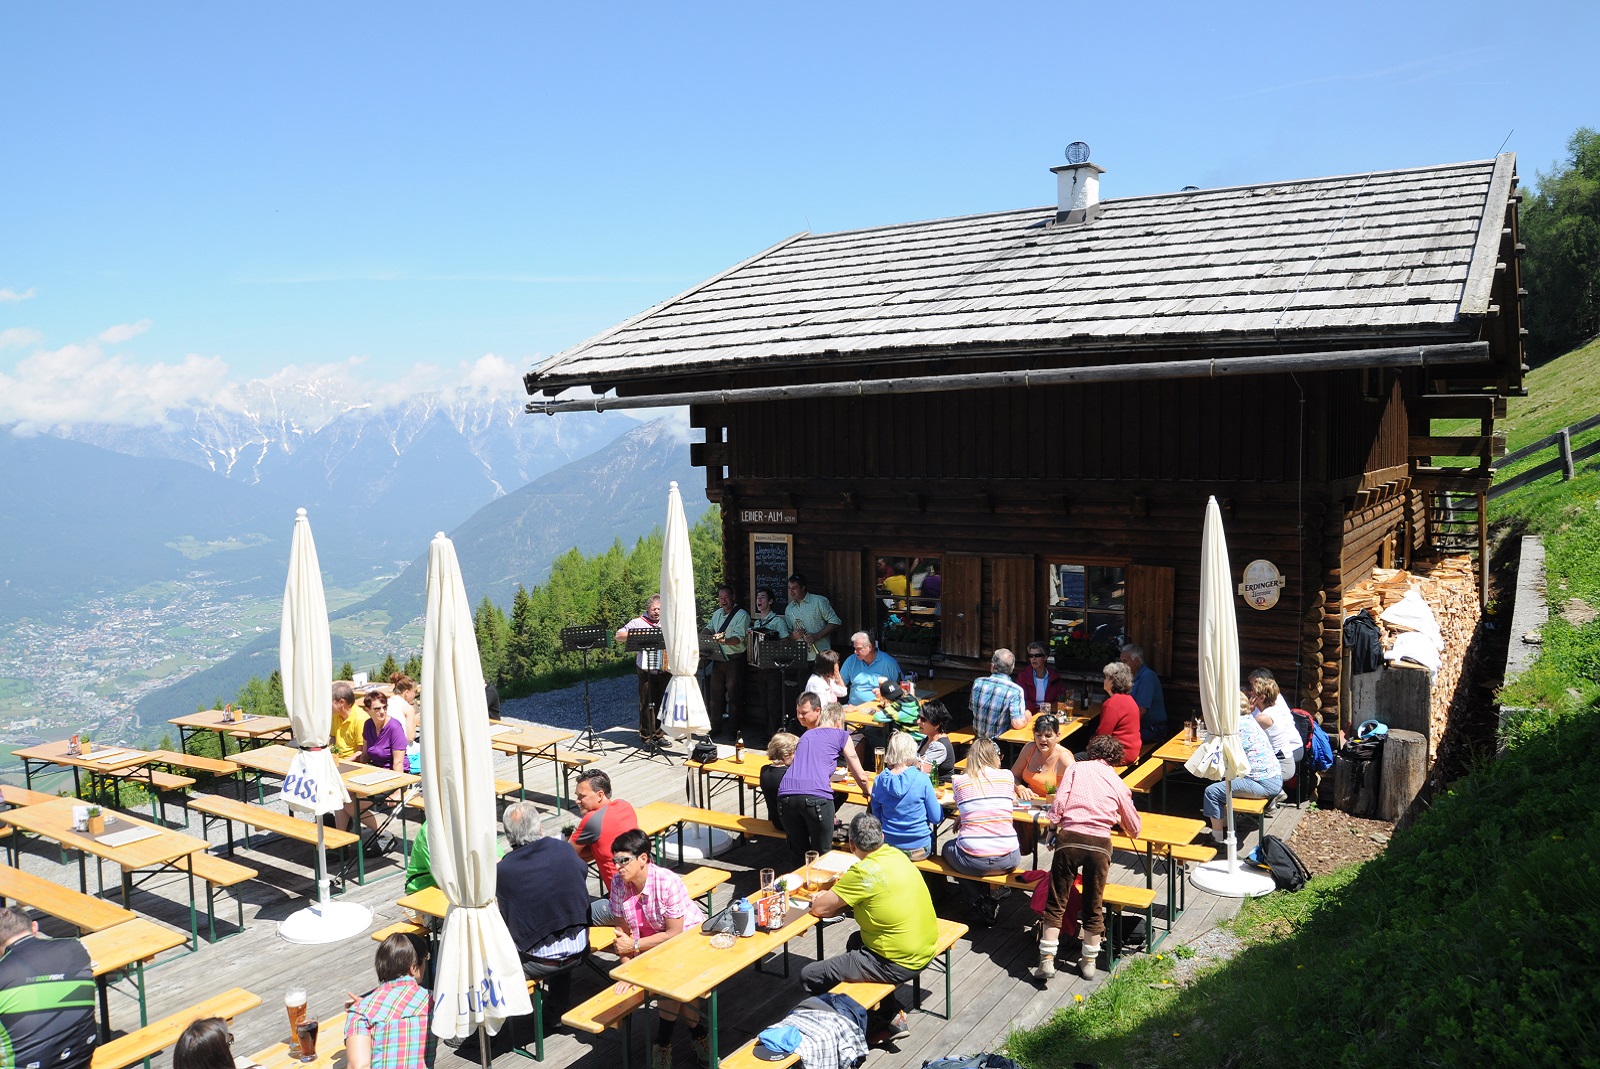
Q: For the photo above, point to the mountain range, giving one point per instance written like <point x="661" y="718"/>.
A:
<point x="617" y="492"/>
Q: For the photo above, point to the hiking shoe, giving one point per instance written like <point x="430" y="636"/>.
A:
<point x="702" y="1047"/>
<point x="1086" y="964"/>
<point x="893" y="1030"/>
<point x="988" y="909"/>
<point x="1045" y="970"/>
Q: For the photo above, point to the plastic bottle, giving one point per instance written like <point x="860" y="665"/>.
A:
<point x="738" y="749"/>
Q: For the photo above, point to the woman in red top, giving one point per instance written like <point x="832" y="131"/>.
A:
<point x="1119" y="716"/>
<point x="1041" y="685"/>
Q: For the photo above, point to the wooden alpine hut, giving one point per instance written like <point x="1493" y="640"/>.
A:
<point x="1034" y="405"/>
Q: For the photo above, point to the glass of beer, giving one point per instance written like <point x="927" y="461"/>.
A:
<point x="306" y="1031"/>
<point x="294" y="1001"/>
<point x="813" y="877"/>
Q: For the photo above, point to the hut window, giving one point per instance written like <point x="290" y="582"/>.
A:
<point x="908" y="593"/>
<point x="1088" y="612"/>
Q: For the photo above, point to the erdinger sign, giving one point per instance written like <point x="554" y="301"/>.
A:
<point x="1262" y="583"/>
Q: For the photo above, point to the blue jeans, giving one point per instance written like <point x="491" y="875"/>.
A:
<point x="1244" y="787"/>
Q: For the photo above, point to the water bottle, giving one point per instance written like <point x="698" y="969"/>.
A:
<point x="744" y="917"/>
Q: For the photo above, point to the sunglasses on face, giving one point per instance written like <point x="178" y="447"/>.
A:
<point x="624" y="860"/>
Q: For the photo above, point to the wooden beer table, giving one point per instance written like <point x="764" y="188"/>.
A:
<point x="124" y="949"/>
<point x="527" y="742"/>
<point x="688" y="968"/>
<point x="102" y="759"/>
<point x="1175" y="751"/>
<point x="160" y="848"/>
<point x="247" y="728"/>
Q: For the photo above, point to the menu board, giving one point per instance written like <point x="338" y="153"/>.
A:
<point x="771" y="564"/>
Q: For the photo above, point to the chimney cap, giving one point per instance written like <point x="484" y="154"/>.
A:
<point x="1078" y="152"/>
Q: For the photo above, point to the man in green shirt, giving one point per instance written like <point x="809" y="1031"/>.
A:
<point x="898" y="926"/>
<point x="811" y="617"/>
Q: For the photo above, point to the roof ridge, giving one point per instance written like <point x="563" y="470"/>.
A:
<point x="1319" y="180"/>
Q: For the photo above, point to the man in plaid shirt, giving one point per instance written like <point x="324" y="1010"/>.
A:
<point x="387" y="1028"/>
<point x="998" y="702"/>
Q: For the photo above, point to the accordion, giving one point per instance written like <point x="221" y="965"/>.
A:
<point x="753" y="640"/>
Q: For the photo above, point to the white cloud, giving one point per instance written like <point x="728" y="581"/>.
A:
<point x="12" y="295"/>
<point x="124" y="332"/>
<point x="81" y="384"/>
<point x="19" y="337"/>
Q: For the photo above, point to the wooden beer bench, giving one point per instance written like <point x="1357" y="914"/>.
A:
<point x="218" y="873"/>
<point x="270" y="820"/>
<point x="84" y="912"/>
<point x="156" y="1037"/>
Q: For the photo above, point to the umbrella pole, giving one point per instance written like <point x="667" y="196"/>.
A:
<point x="1233" y="849"/>
<point x="483" y="1045"/>
<point x="322" y="866"/>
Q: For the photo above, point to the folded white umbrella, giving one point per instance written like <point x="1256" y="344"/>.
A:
<point x="478" y="979"/>
<point x="683" y="707"/>
<point x="1221" y="757"/>
<point x="305" y="661"/>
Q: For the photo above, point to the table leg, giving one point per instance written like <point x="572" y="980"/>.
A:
<point x="194" y="923"/>
<point x="101" y="986"/>
<point x="138" y="979"/>
<point x="715" y="1059"/>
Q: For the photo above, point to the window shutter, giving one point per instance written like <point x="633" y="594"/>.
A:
<point x="962" y="607"/>
<point x="1150" y="592"/>
<point x="841" y="571"/>
<point x="1014" y="611"/>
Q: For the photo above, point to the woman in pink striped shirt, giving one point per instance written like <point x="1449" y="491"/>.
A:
<point x="985" y="840"/>
<point x="1090" y="801"/>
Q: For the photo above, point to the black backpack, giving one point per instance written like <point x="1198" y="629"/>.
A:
<point x="1274" y="855"/>
<point x="973" y="1061"/>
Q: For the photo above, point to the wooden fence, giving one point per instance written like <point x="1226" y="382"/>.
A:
<point x="1566" y="458"/>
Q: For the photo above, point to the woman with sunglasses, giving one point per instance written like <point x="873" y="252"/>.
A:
<point x="651" y="905"/>
<point x="1042" y="686"/>
<point x="935" y="754"/>
<point x="383" y="742"/>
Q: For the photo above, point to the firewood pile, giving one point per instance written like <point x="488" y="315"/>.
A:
<point x="1450" y="587"/>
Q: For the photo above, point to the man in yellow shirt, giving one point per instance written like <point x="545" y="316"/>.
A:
<point x="898" y="926"/>
<point x="348" y="721"/>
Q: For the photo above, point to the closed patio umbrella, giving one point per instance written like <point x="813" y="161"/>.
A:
<point x="478" y="980"/>
<point x="683" y="707"/>
<point x="1221" y="757"/>
<point x="305" y="660"/>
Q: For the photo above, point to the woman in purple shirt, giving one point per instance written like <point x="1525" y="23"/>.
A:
<point x="806" y="796"/>
<point x="383" y="737"/>
<point x="383" y="742"/>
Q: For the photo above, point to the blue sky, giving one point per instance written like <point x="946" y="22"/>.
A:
<point x="198" y="194"/>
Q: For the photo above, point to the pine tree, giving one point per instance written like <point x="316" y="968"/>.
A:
<point x="346" y="671"/>
<point x="413" y="667"/>
<point x="389" y="668"/>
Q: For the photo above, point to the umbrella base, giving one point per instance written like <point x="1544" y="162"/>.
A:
<point x="325" y="922"/>
<point x="699" y="843"/>
<point x="1231" y="879"/>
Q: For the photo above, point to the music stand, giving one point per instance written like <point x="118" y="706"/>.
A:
<point x="644" y="640"/>
<point x="582" y="640"/>
<point x="783" y="654"/>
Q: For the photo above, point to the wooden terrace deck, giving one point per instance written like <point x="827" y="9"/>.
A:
<point x="993" y="990"/>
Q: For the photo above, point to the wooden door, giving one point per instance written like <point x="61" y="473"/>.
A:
<point x="1011" y="579"/>
<point x="962" y="605"/>
<point x="1150" y="614"/>
<point x="841" y="570"/>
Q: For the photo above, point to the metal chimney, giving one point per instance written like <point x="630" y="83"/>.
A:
<point x="1077" y="186"/>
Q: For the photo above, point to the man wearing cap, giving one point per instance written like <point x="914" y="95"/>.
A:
<point x="898" y="928"/>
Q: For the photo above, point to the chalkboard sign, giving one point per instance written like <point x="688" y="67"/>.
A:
<point x="771" y="564"/>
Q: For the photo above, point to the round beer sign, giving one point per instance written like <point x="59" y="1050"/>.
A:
<point x="1262" y="584"/>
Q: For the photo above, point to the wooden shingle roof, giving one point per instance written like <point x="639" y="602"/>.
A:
<point x="1387" y="254"/>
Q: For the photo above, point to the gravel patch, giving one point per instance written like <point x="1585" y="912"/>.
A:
<point x="1211" y="949"/>
<point x="615" y="703"/>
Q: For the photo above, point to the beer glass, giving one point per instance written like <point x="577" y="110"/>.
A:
<point x="294" y="1001"/>
<point x="813" y="878"/>
<point x="306" y="1031"/>
<point x="768" y="876"/>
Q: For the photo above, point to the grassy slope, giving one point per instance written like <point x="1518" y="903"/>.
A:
<point x="1469" y="941"/>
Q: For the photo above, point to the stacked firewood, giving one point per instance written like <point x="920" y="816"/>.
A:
<point x="1450" y="587"/>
